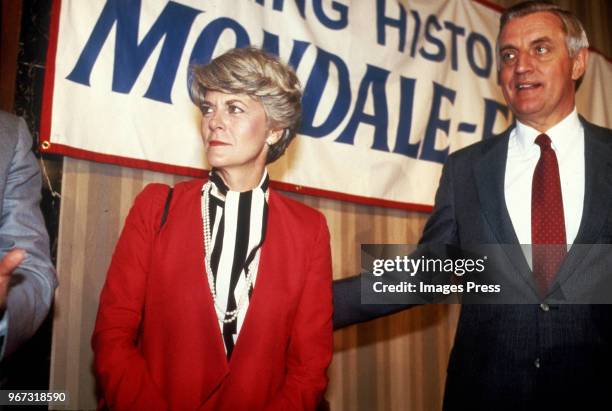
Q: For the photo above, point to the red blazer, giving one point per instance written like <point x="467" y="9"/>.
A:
<point x="157" y="343"/>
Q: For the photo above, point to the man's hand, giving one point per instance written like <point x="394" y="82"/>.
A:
<point x="8" y="263"/>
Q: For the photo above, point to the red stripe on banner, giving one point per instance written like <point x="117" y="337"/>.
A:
<point x="56" y="148"/>
<point x="47" y="101"/>
<point x="491" y="5"/>
<point x="370" y="201"/>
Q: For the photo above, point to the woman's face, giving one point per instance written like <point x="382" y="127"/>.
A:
<point x="234" y="131"/>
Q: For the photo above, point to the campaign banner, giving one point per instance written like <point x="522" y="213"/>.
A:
<point x="390" y="87"/>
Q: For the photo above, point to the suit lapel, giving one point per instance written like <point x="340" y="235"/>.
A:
<point x="598" y="186"/>
<point x="597" y="200"/>
<point x="489" y="173"/>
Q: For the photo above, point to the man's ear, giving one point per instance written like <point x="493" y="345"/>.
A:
<point x="580" y="63"/>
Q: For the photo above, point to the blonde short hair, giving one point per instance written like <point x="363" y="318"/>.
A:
<point x="264" y="77"/>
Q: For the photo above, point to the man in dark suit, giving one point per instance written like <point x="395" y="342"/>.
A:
<point x="546" y="180"/>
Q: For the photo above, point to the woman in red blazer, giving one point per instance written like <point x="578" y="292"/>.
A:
<point x="218" y="296"/>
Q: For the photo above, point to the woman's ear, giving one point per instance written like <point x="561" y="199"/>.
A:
<point x="274" y="136"/>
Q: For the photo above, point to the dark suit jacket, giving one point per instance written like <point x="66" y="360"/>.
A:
<point x="157" y="342"/>
<point x="515" y="356"/>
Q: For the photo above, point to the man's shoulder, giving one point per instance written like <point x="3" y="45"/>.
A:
<point x="8" y="118"/>
<point x="9" y="124"/>
<point x="600" y="133"/>
<point x="476" y="150"/>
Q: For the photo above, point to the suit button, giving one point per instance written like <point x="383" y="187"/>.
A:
<point x="544" y="307"/>
<point x="536" y="363"/>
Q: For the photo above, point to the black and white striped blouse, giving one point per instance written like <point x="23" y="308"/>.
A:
<point x="238" y="230"/>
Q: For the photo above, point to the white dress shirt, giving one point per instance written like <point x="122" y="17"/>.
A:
<point x="567" y="138"/>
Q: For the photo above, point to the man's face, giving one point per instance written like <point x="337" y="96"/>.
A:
<point x="536" y="72"/>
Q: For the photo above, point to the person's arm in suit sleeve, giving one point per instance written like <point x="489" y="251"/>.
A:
<point x="121" y="369"/>
<point x="32" y="282"/>
<point x="440" y="229"/>
<point x="311" y="342"/>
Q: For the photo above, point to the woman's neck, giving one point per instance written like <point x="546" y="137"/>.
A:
<point x="241" y="180"/>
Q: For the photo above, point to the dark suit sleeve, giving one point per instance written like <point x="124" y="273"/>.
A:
<point x="121" y="369"/>
<point x="440" y="229"/>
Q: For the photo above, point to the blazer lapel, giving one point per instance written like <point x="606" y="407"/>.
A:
<point x="209" y="332"/>
<point x="489" y="173"/>
<point x="266" y="295"/>
<point x="597" y="200"/>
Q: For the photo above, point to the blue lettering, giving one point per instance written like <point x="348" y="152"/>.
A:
<point x="382" y="21"/>
<point x="313" y="91"/>
<point x="270" y="44"/>
<point x="432" y="22"/>
<point x="375" y="79"/>
<point x="173" y="25"/>
<point x="455" y="31"/>
<point x="417" y="31"/>
<point x="435" y="123"/>
<point x="207" y="40"/>
<point x="492" y="108"/>
<point x="402" y="139"/>
<point x="472" y="40"/>
<point x="342" y="20"/>
<point x="299" y="47"/>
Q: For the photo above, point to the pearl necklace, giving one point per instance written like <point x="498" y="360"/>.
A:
<point x="223" y="315"/>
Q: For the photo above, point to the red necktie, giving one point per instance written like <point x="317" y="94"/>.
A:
<point x="547" y="219"/>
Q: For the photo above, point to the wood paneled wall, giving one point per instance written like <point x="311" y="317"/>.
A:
<point x="411" y="347"/>
<point x="394" y="363"/>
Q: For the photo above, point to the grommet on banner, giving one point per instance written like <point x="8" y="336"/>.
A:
<point x="298" y="188"/>
<point x="45" y="145"/>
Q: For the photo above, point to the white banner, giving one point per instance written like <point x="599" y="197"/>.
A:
<point x="390" y="87"/>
